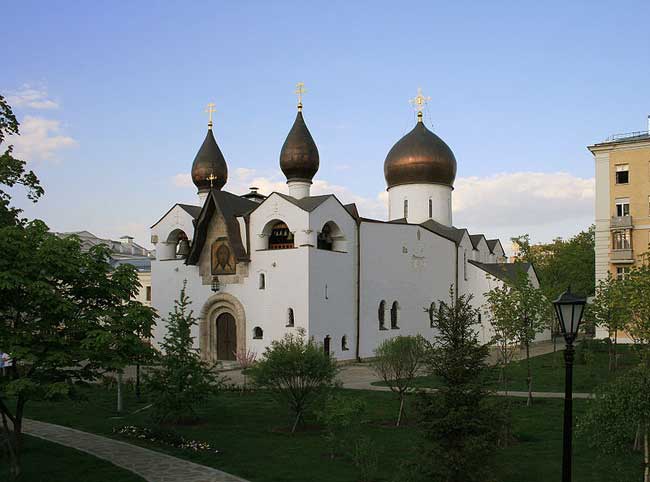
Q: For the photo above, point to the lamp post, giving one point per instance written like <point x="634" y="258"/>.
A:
<point x="569" y="309"/>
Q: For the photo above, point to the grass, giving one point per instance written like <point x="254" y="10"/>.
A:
<point x="48" y="462"/>
<point x="591" y="369"/>
<point x="250" y="430"/>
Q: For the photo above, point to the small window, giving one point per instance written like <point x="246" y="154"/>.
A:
<point x="148" y="293"/>
<point x="622" y="174"/>
<point x="290" y="318"/>
<point x="465" y="264"/>
<point x="394" y="315"/>
<point x="344" y="343"/>
<point x="406" y="208"/>
<point x="381" y="315"/>
<point x="430" y="208"/>
<point x="326" y="293"/>
<point x="623" y="207"/>
<point x="326" y="344"/>
<point x="258" y="333"/>
<point x="622" y="272"/>
<point x="262" y="281"/>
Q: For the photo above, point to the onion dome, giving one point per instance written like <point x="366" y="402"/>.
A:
<point x="299" y="158"/>
<point x="209" y="169"/>
<point x="420" y="157"/>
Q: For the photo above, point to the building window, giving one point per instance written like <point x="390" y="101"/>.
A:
<point x="406" y="208"/>
<point x="622" y="272"/>
<point x="648" y="205"/>
<point x="280" y="237"/>
<point x="381" y="315"/>
<point x="326" y="344"/>
<point x="622" y="174"/>
<point x="480" y="318"/>
<point x="344" y="343"/>
<point x="258" y="333"/>
<point x="465" y="265"/>
<point x="148" y="293"/>
<point x="324" y="240"/>
<point x="262" y="285"/>
<point x="394" y="315"/>
<point x="622" y="239"/>
<point x="430" y="208"/>
<point x="623" y="206"/>
<point x="290" y="318"/>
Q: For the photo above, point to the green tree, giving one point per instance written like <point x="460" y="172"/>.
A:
<point x="609" y="309"/>
<point x="636" y="289"/>
<point x="502" y="305"/>
<point x="53" y="297"/>
<point x="620" y="414"/>
<point x="397" y="361"/>
<point x="459" y="422"/>
<point x="12" y="170"/>
<point x="181" y="381"/>
<point x="341" y="417"/>
<point x="296" y="371"/>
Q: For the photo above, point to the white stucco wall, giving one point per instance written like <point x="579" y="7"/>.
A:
<point x="418" y="196"/>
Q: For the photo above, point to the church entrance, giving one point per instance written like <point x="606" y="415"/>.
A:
<point x="226" y="337"/>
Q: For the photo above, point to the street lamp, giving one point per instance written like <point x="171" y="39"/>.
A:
<point x="569" y="309"/>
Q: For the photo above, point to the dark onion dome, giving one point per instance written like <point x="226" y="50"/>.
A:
<point x="420" y="157"/>
<point x="299" y="158"/>
<point x="209" y="162"/>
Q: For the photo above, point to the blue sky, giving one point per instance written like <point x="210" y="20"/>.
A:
<point x="518" y="90"/>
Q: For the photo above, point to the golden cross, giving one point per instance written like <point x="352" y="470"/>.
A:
<point x="419" y="101"/>
<point x="300" y="89"/>
<point x="211" y="178"/>
<point x="210" y="110"/>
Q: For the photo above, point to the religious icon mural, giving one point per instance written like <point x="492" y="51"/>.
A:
<point x="223" y="259"/>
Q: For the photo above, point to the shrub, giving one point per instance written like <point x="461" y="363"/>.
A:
<point x="341" y="417"/>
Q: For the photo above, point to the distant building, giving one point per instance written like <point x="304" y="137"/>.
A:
<point x="622" y="201"/>
<point x="124" y="251"/>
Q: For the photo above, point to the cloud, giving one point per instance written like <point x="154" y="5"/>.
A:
<point x="34" y="98"/>
<point x="545" y="205"/>
<point x="40" y="139"/>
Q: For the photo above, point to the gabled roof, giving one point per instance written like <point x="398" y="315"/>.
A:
<point x="231" y="206"/>
<point x="492" y="244"/>
<point x="352" y="209"/>
<point x="190" y="209"/>
<point x="448" y="232"/>
<point x="476" y="239"/>
<point x="507" y="272"/>
<point x="308" y="203"/>
<point x="398" y="221"/>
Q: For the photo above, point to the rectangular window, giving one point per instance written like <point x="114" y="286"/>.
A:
<point x="622" y="173"/>
<point x="406" y="208"/>
<point x="623" y="207"/>
<point x="622" y="272"/>
<point x="431" y="208"/>
<point x="622" y="239"/>
<point x="148" y="293"/>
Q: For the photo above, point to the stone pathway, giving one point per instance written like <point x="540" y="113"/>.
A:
<point x="148" y="464"/>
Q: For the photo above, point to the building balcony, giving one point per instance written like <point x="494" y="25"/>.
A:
<point x="621" y="256"/>
<point x="621" y="222"/>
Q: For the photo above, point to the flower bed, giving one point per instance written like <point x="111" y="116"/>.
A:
<point x="164" y="437"/>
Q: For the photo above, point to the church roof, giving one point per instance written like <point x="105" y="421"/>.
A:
<point x="449" y="232"/>
<point x="209" y="163"/>
<point x="507" y="272"/>
<point x="193" y="211"/>
<point x="308" y="203"/>
<point x="476" y="238"/>
<point x="231" y="206"/>
<point x="299" y="158"/>
<point x="492" y="244"/>
<point x="352" y="209"/>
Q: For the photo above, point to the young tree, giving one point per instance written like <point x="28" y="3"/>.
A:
<point x="505" y="327"/>
<point x="53" y="297"/>
<point x="397" y="361"/>
<point x="182" y="380"/>
<point x="459" y="422"/>
<point x="296" y="371"/>
<point x="637" y="294"/>
<point x="619" y="414"/>
<point x="610" y="310"/>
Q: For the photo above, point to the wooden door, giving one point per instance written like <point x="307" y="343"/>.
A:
<point x="226" y="337"/>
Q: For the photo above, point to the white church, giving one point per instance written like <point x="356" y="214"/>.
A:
<point x="260" y="266"/>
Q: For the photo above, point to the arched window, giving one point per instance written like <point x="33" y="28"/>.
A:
<point x="262" y="285"/>
<point x="258" y="333"/>
<point x="280" y="236"/>
<point x="344" y="343"/>
<point x="381" y="315"/>
<point x="179" y="245"/>
<point x="290" y="318"/>
<point x="326" y="344"/>
<point x="406" y="208"/>
<point x="324" y="240"/>
<point x="430" y="208"/>
<point x="393" y="315"/>
<point x="331" y="238"/>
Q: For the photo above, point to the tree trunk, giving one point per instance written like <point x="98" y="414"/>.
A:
<point x="295" y="423"/>
<point x="119" y="392"/>
<point x="615" y="350"/>
<point x="401" y="409"/>
<point x="14" y="460"/>
<point x="611" y="355"/>
<point x="529" y="377"/>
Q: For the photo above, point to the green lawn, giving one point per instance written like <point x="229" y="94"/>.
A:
<point x="249" y="429"/>
<point x="47" y="462"/>
<point x="589" y="371"/>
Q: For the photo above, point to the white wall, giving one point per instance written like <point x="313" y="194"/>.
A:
<point x="418" y="196"/>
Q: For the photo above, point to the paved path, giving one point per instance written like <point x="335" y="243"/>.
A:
<point x="150" y="465"/>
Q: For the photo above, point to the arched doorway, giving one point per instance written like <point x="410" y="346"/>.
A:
<point x="226" y="337"/>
